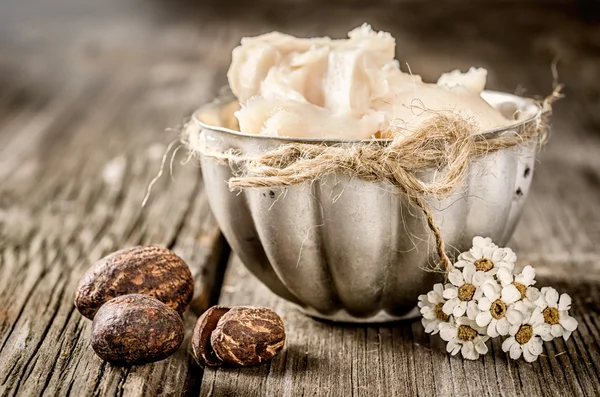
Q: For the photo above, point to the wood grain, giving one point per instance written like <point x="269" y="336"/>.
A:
<point x="399" y="359"/>
<point x="86" y="91"/>
<point x="87" y="203"/>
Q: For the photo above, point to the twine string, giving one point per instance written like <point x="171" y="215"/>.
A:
<point x="447" y="143"/>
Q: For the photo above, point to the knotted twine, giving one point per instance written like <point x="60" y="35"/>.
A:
<point x="446" y="142"/>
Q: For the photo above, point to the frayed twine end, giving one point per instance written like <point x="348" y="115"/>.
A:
<point x="165" y="156"/>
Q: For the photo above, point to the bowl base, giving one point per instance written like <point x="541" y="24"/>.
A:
<point x="343" y="317"/>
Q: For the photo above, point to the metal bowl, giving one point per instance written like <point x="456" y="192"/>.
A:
<point x="348" y="250"/>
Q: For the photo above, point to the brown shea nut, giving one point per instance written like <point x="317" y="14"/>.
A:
<point x="136" y="329"/>
<point x="206" y="324"/>
<point x="148" y="270"/>
<point x="248" y="335"/>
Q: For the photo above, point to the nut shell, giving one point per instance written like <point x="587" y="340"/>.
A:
<point x="148" y="270"/>
<point x="248" y="336"/>
<point x="206" y="324"/>
<point x="136" y="329"/>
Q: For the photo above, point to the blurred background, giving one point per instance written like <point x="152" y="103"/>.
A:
<point x="46" y="47"/>
<point x="87" y="89"/>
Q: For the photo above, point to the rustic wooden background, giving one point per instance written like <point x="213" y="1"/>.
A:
<point x="86" y="92"/>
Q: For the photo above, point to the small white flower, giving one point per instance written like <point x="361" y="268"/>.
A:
<point x="465" y="336"/>
<point x="498" y="312"/>
<point x="526" y="277"/>
<point x="431" y="309"/>
<point x="464" y="291"/>
<point x="484" y="298"/>
<point x="526" y="337"/>
<point x="487" y="256"/>
<point x="524" y="282"/>
<point x="555" y="312"/>
<point x="483" y="242"/>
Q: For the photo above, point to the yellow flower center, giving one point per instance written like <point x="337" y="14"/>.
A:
<point x="439" y="313"/>
<point x="466" y="333"/>
<point x="498" y="309"/>
<point x="484" y="264"/>
<point x="524" y="334"/>
<point x="466" y="292"/>
<point x="521" y="288"/>
<point x="551" y="315"/>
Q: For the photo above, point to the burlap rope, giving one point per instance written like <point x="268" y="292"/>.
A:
<point x="446" y="142"/>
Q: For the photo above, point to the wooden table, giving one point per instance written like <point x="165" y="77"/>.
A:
<point x="87" y="91"/>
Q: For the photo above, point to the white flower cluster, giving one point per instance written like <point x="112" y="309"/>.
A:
<point x="485" y="299"/>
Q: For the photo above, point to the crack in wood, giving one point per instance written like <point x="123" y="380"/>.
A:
<point x="25" y="374"/>
<point x="121" y="385"/>
<point x="99" y="377"/>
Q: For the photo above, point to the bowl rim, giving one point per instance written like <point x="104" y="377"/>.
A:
<point x="524" y="102"/>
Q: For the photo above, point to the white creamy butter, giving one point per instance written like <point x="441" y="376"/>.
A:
<point x="351" y="88"/>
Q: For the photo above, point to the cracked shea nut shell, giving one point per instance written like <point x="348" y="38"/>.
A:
<point x="136" y="329"/>
<point x="248" y="336"/>
<point x="148" y="270"/>
<point x="206" y="324"/>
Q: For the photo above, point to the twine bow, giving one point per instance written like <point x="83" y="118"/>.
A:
<point x="446" y="142"/>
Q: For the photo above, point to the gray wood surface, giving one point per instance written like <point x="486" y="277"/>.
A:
<point x="86" y="92"/>
<point x="399" y="359"/>
<point x="82" y="207"/>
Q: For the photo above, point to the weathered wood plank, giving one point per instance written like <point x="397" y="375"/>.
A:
<point x="89" y="89"/>
<point x="85" y="206"/>
<point x="399" y="359"/>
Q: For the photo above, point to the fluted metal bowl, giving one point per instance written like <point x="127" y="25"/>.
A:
<point x="348" y="250"/>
